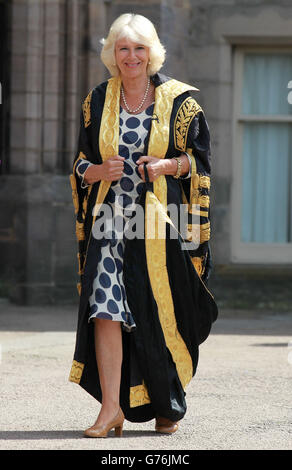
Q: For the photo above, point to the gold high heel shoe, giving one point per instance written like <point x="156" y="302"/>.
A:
<point x="165" y="426"/>
<point x="102" y="431"/>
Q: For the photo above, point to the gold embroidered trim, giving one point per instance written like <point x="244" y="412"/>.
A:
<point x="187" y="111"/>
<point x="74" y="184"/>
<point x="79" y="288"/>
<point x="139" y="395"/>
<point x="204" y="214"/>
<point x="155" y="247"/>
<point x="194" y="188"/>
<point x="80" y="269"/>
<point x="76" y="372"/>
<point x="158" y="275"/>
<point x="204" y="201"/>
<point x="196" y="233"/>
<point x="86" y="110"/>
<point x="197" y="262"/>
<point x="85" y="201"/>
<point x="205" y="232"/>
<point x="81" y="155"/>
<point x="193" y="233"/>
<point x="80" y="231"/>
<point x="74" y="193"/>
<point x="195" y="210"/>
<point x="108" y="134"/>
<point x="204" y="181"/>
<point x="159" y="135"/>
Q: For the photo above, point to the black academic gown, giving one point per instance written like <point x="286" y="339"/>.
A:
<point x="165" y="277"/>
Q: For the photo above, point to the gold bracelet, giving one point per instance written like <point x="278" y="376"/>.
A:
<point x="178" y="171"/>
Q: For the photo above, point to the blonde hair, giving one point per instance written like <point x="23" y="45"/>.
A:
<point x="138" y="29"/>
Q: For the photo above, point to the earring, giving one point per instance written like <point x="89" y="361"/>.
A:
<point x="149" y="62"/>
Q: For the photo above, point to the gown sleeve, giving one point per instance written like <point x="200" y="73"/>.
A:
<point x="196" y="190"/>
<point x="84" y="157"/>
<point x="84" y="148"/>
<point x="81" y="168"/>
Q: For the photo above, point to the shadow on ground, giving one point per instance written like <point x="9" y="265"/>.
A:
<point x="68" y="434"/>
<point x="64" y="318"/>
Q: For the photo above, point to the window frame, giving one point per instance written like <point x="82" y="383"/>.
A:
<point x="242" y="252"/>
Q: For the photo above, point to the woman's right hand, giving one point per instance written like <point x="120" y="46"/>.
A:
<point x="110" y="170"/>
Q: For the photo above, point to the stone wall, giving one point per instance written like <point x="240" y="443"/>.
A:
<point x="217" y="28"/>
<point x="54" y="63"/>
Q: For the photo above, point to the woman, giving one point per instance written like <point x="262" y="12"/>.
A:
<point x="144" y="305"/>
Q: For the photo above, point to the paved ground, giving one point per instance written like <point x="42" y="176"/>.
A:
<point x="239" y="399"/>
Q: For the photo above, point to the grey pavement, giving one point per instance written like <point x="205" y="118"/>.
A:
<point x="240" y="397"/>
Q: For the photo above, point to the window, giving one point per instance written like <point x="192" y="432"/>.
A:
<point x="262" y="157"/>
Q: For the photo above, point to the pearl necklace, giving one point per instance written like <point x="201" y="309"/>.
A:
<point x="142" y="102"/>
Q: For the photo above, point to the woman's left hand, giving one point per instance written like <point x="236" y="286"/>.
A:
<point x="155" y="167"/>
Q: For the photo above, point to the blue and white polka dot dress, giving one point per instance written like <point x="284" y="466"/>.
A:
<point x="108" y="298"/>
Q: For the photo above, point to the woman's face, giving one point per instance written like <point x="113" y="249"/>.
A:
<point x="131" y="58"/>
